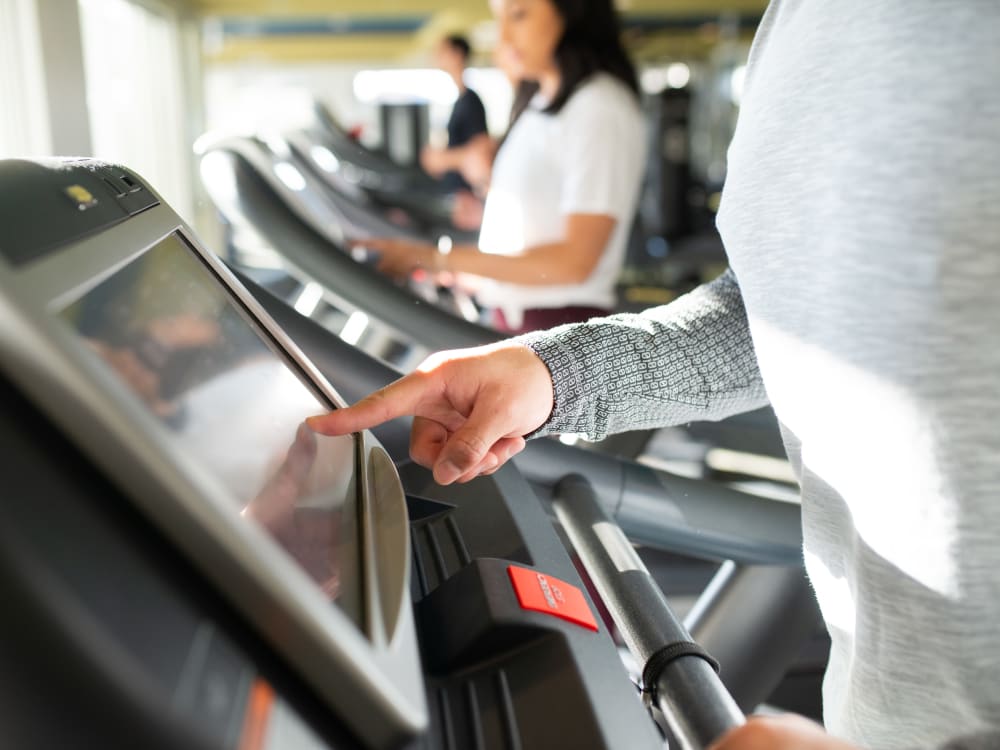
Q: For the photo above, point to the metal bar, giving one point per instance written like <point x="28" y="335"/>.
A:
<point x="688" y="516"/>
<point x="755" y="621"/>
<point x="694" y="702"/>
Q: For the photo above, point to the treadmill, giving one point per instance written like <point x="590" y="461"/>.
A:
<point x="387" y="187"/>
<point x="372" y="170"/>
<point x="242" y="177"/>
<point x="187" y="565"/>
<point x="263" y="189"/>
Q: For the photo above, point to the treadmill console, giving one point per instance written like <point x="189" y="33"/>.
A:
<point x="203" y="568"/>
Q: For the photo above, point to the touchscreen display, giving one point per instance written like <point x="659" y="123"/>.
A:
<point x="173" y="335"/>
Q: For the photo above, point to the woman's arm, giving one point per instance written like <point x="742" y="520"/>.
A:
<point x="570" y="261"/>
<point x="473" y="159"/>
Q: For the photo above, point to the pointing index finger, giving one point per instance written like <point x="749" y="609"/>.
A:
<point x="397" y="399"/>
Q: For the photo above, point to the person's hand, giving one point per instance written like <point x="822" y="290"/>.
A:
<point x="476" y="161"/>
<point x="433" y="160"/>
<point x="787" y="732"/>
<point x="466" y="211"/>
<point x="400" y="257"/>
<point x="472" y="408"/>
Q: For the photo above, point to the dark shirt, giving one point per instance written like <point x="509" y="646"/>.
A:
<point x="468" y="119"/>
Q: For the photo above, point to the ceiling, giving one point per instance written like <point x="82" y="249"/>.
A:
<point x="403" y="31"/>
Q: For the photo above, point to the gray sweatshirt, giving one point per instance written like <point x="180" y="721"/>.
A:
<point x="862" y="220"/>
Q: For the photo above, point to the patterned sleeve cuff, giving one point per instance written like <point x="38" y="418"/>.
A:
<point x="690" y="360"/>
<point x="567" y="382"/>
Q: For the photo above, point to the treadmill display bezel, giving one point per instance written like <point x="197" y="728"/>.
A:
<point x="380" y="692"/>
<point x="175" y="242"/>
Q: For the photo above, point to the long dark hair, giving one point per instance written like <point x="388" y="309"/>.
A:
<point x="591" y="43"/>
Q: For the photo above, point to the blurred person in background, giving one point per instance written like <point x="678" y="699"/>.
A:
<point x="467" y="122"/>
<point x="565" y="182"/>
<point x="475" y="159"/>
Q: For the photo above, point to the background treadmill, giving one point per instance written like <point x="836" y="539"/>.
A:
<point x="302" y="224"/>
<point x="145" y="607"/>
<point x="371" y="169"/>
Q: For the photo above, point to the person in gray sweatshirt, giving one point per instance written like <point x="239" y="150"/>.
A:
<point x="861" y="216"/>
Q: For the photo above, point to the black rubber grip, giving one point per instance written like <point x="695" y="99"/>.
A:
<point x="659" y="660"/>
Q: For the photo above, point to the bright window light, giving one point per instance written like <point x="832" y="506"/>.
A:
<point x="678" y="75"/>
<point x="656" y="79"/>
<point x="384" y="86"/>
<point x="653" y="80"/>
<point x="135" y="93"/>
<point x="24" y="127"/>
<point x="216" y="170"/>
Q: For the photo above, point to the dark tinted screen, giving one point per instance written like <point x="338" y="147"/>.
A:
<point x="174" y="336"/>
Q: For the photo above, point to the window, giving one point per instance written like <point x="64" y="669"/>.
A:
<point x="24" y="129"/>
<point x="135" y="93"/>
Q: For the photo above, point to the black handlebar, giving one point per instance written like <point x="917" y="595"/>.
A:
<point x="677" y="674"/>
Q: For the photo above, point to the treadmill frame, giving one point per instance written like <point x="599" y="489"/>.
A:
<point x="384" y="702"/>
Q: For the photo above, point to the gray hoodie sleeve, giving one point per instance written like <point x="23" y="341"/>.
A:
<point x="690" y="360"/>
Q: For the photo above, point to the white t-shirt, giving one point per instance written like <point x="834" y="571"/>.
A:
<point x="588" y="158"/>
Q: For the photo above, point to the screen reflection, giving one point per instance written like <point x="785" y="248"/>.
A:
<point x="178" y="341"/>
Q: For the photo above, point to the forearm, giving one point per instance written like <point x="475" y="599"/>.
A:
<point x="450" y="159"/>
<point x="542" y="265"/>
<point x="690" y="360"/>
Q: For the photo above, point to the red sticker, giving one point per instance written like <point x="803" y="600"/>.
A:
<point x="542" y="593"/>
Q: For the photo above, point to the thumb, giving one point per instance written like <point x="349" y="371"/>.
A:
<point x="395" y="400"/>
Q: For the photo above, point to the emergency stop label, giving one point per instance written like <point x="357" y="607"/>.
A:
<point x="539" y="592"/>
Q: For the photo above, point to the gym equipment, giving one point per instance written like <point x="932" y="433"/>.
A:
<point x="186" y="563"/>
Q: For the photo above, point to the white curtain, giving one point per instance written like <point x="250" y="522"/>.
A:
<point x="24" y="128"/>
<point x="135" y="93"/>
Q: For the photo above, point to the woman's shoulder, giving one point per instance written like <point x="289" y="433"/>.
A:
<point x="603" y="89"/>
<point x="605" y="92"/>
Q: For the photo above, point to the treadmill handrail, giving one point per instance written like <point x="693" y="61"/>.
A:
<point x="690" y="516"/>
<point x="375" y="162"/>
<point x="430" y="214"/>
<point x="342" y="212"/>
<point x="696" y="705"/>
<point x="349" y="282"/>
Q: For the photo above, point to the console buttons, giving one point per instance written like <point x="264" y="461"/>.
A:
<point x="539" y="592"/>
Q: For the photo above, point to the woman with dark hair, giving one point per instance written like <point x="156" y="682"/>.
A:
<point x="566" y="178"/>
